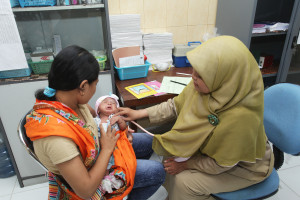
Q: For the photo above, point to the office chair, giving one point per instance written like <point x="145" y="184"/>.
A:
<point x="27" y="143"/>
<point x="282" y="126"/>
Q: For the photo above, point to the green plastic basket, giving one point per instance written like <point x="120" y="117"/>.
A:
<point x="101" y="60"/>
<point x="42" y="67"/>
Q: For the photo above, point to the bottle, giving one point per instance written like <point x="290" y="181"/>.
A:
<point x="6" y="167"/>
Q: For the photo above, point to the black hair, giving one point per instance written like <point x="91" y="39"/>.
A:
<point x="70" y="67"/>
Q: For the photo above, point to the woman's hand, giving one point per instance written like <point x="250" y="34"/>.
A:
<point x="172" y="167"/>
<point x="108" y="139"/>
<point x="130" y="114"/>
<point x="85" y="182"/>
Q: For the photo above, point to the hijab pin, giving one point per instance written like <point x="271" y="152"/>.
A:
<point x="213" y="120"/>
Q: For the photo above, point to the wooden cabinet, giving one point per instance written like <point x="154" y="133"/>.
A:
<point x="236" y="18"/>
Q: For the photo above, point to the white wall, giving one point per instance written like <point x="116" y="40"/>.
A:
<point x="16" y="100"/>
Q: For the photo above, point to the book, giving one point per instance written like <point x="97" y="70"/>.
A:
<point x="140" y="90"/>
<point x="155" y="85"/>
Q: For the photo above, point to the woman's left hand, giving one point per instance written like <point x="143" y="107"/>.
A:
<point x="172" y="167"/>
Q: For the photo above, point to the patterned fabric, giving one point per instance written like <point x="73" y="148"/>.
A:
<point x="52" y="118"/>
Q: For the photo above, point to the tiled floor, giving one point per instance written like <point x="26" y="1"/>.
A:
<point x="289" y="185"/>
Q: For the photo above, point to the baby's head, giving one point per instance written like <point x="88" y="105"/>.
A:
<point x="107" y="105"/>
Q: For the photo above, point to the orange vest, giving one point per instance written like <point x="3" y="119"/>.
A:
<point x="52" y="118"/>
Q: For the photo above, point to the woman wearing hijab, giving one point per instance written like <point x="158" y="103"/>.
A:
<point x="219" y="124"/>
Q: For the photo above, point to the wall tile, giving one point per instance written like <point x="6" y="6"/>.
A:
<point x="131" y="6"/>
<point x="198" y="12"/>
<point x="179" y="34"/>
<point x="195" y="33"/>
<point x="114" y="7"/>
<point x="188" y="20"/>
<point x="155" y="13"/>
<point x="212" y="12"/>
<point x="177" y="12"/>
<point x="154" y="30"/>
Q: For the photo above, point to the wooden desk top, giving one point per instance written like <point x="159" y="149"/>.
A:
<point x="128" y="100"/>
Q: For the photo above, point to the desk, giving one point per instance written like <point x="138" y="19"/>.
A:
<point x="128" y="100"/>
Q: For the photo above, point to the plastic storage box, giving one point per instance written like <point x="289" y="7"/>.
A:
<point x="6" y="167"/>
<point x="26" y="3"/>
<point x="15" y="73"/>
<point x="101" y="60"/>
<point x="133" y="72"/>
<point x="179" y="53"/>
<point x="42" y="67"/>
<point x="14" y="3"/>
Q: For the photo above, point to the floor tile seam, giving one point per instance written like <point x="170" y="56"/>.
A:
<point x="290" y="167"/>
<point x="26" y="190"/>
<point x="282" y="181"/>
<point x="4" y="195"/>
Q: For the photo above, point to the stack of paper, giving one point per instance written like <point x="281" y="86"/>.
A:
<point x="279" y="27"/>
<point x="11" y="48"/>
<point x="259" y="28"/>
<point x="158" y="47"/>
<point x="269" y="27"/>
<point x="125" y="30"/>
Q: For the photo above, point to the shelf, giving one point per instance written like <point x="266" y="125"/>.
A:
<point x="269" y="71"/>
<point x="268" y="75"/>
<point x="35" y="77"/>
<point x="268" y="34"/>
<point x="294" y="71"/>
<point x="53" y="8"/>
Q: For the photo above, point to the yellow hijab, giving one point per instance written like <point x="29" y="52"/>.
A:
<point x="227" y="123"/>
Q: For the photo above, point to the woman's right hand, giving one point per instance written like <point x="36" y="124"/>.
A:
<point x="130" y="114"/>
<point x="108" y="139"/>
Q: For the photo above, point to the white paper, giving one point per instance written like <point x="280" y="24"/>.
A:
<point x="131" y="61"/>
<point x="298" y="41"/>
<point x="174" y="88"/>
<point x="12" y="54"/>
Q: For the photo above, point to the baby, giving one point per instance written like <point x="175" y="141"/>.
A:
<point x="106" y="106"/>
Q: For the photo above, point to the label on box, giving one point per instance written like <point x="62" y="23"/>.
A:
<point x="44" y="56"/>
<point x="41" y="58"/>
<point x="261" y="62"/>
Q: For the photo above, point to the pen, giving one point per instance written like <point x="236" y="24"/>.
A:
<point x="178" y="83"/>
<point x="184" y="74"/>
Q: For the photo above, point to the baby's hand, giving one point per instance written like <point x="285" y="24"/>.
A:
<point x="115" y="119"/>
<point x="119" y="119"/>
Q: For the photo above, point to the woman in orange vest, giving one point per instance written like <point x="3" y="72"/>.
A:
<point x="65" y="137"/>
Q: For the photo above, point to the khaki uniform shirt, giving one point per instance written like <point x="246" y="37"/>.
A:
<point x="251" y="171"/>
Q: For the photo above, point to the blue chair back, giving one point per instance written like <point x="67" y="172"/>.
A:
<point x="282" y="126"/>
<point x="282" y="116"/>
